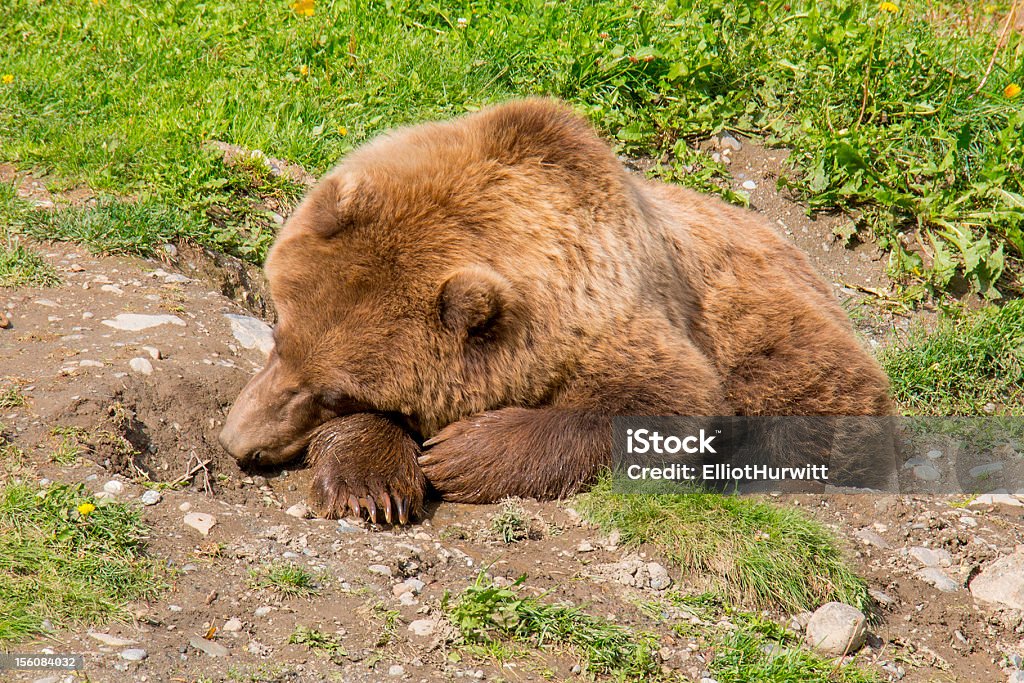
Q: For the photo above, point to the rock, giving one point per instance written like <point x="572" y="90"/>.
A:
<point x="90" y="364"/>
<point x="114" y="487"/>
<point x="141" y="365"/>
<point x="407" y="599"/>
<point x="422" y="627"/>
<point x="251" y="333"/>
<point x="113" y="289"/>
<point x="208" y="646"/>
<point x="585" y="547"/>
<point x="926" y="473"/>
<point x="837" y="629"/>
<point x="1016" y="677"/>
<point x="262" y="612"/>
<point x="200" y="521"/>
<point x="396" y="670"/>
<point x="380" y="569"/>
<point x="232" y="625"/>
<point x="985" y="470"/>
<point x="111" y="640"/>
<point x="938" y="578"/>
<point x="883" y="599"/>
<point x="134" y="654"/>
<point x="153" y="352"/>
<point x="749" y="185"/>
<point x="176" y="278"/>
<point x="869" y="537"/>
<point x="997" y="498"/>
<point x="931" y="558"/>
<point x="185" y="507"/>
<point x="933" y="455"/>
<point x="137" y="321"/>
<point x="150" y="497"/>
<point x="1002" y="582"/>
<point x="727" y="141"/>
<point x="660" y="580"/>
<point x="798" y="622"/>
<point x="300" y="510"/>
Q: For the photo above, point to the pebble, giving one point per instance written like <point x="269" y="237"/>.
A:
<point x="90" y="364"/>
<point x="837" y="629"/>
<point x="938" y="578"/>
<point x="134" y="654"/>
<point x="381" y="569"/>
<point x="585" y="547"/>
<point x="934" y="454"/>
<point x="208" y="646"/>
<point x="984" y="470"/>
<point x="300" y="510"/>
<point x="150" y="497"/>
<point x="200" y="521"/>
<point x="660" y="580"/>
<point x="883" y="599"/>
<point x="727" y="141"/>
<point x="113" y="289"/>
<point x="141" y="365"/>
<point x="251" y="333"/>
<point x="931" y="558"/>
<point x="396" y="670"/>
<point x="749" y="185"/>
<point x="1002" y="582"/>
<point x="111" y="640"/>
<point x="114" y="487"/>
<point x="407" y="599"/>
<point x="997" y="498"/>
<point x="232" y="625"/>
<point x="422" y="627"/>
<point x="137" y="321"/>
<point x="153" y="352"/>
<point x="926" y="473"/>
<point x="869" y="537"/>
<point x="262" y="612"/>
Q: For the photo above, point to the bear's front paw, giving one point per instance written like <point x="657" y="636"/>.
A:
<point x="468" y="461"/>
<point x="366" y="463"/>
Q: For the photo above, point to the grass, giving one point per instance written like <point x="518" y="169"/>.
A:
<point x="22" y="267"/>
<point x="11" y="396"/>
<point x="511" y="524"/>
<point x="885" y="111"/>
<point x="487" y="616"/>
<point x="753" y="552"/>
<point x="754" y="649"/>
<point x="318" y="641"/>
<point x="286" y="578"/>
<point x="967" y="362"/>
<point x="67" y="561"/>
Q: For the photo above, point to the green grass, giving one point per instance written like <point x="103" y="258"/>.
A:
<point x="880" y="108"/>
<point x="966" y="362"/>
<point x="511" y="524"/>
<point x="22" y="267"/>
<point x="66" y="564"/>
<point x="488" y="616"/>
<point x="756" y="649"/>
<point x="11" y="396"/>
<point x="317" y="640"/>
<point x="290" y="580"/>
<point x="759" y="554"/>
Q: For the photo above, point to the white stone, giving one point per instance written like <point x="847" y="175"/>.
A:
<point x="422" y="627"/>
<point x="931" y="558"/>
<point x="141" y="365"/>
<point x="150" y="497"/>
<point x="262" y="612"/>
<point x="1002" y="582"/>
<point x="396" y="670"/>
<point x="114" y="487"/>
<point x="134" y="654"/>
<point x="200" y="521"/>
<point x="997" y="498"/>
<point x="139" y="321"/>
<point x="90" y="364"/>
<point x="113" y="289"/>
<point x="153" y="352"/>
<point x="208" y="646"/>
<point x="300" y="510"/>
<point x="251" y="333"/>
<point x="111" y="640"/>
<point x="232" y="625"/>
<point x="381" y="569"/>
<point x="869" y="537"/>
<point x="926" y="473"/>
<point x="983" y="470"/>
<point x="837" y="629"/>
<point x="585" y="547"/>
<point x="185" y="507"/>
<point x="938" y="578"/>
<point x="749" y="185"/>
<point x="660" y="580"/>
<point x="934" y="455"/>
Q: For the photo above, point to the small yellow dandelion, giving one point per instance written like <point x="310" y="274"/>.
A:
<point x="7" y="78"/>
<point x="304" y="70"/>
<point x="304" y="8"/>
<point x="86" y="508"/>
<point x="889" y="7"/>
<point x="342" y="131"/>
<point x="1011" y="90"/>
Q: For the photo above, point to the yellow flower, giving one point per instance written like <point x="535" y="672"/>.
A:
<point x="304" y="8"/>
<point x="86" y="508"/>
<point x="1011" y="90"/>
<point x="342" y="131"/>
<point x="888" y="7"/>
<point x="304" y="70"/>
<point x="7" y="78"/>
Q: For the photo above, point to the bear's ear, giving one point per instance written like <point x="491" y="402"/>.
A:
<point x="335" y="204"/>
<point x="476" y="301"/>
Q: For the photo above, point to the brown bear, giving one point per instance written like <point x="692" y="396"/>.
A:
<point x="469" y="303"/>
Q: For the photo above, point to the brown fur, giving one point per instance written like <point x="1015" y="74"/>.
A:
<point x="502" y="286"/>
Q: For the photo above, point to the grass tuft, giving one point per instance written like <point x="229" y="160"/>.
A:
<point x="511" y="524"/>
<point x="757" y="553"/>
<point x="65" y="560"/>
<point x="22" y="267"/>
<point x="290" y="580"/>
<point x="11" y="396"/>
<point x="967" y="362"/>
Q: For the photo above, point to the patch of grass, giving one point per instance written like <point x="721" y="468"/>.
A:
<point x="486" y="615"/>
<point x="388" y="624"/>
<point x="71" y="442"/>
<point x="511" y="524"/>
<point x="11" y="396"/>
<point x="22" y="267"/>
<point x="290" y="580"/>
<point x="760" y="554"/>
<point x="968" y="361"/>
<point x="66" y="560"/>
<point x="318" y="641"/>
<point x="755" y="648"/>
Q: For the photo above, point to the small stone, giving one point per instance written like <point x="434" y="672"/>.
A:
<point x="141" y="365"/>
<point x="113" y="289"/>
<point x="1016" y="677"/>
<point x="396" y="670"/>
<point x="176" y="278"/>
<point x="150" y="497"/>
<point x="174" y="608"/>
<point x="90" y="364"/>
<point x="299" y="510"/>
<point x="208" y="646"/>
<point x="75" y="268"/>
<point x="1002" y="582"/>
<point x="727" y="141"/>
<point x="262" y="612"/>
<point x="985" y="470"/>
<point x="111" y="640"/>
<point x="134" y="654"/>
<point x="660" y="580"/>
<point x="422" y="627"/>
<point x="749" y="185"/>
<point x="938" y="578"/>
<point x="997" y="498"/>
<point x="185" y="507"/>
<point x="926" y="473"/>
<point x="883" y="599"/>
<point x="137" y="321"/>
<point x="933" y="455"/>
<point x="931" y="558"/>
<point x="585" y="547"/>
<point x="407" y="599"/>
<point x="200" y="521"/>
<point x="381" y="569"/>
<point x="114" y="487"/>
<point x="251" y="333"/>
<point x="989" y="408"/>
<point x="837" y="629"/>
<point x="869" y="537"/>
<point x="153" y="352"/>
<point x="798" y="622"/>
<point x="232" y="625"/>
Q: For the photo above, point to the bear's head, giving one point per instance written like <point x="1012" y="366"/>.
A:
<point x="428" y="277"/>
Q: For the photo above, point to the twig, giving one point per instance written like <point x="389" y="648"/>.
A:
<point x="1000" y="44"/>
<point x="193" y="471"/>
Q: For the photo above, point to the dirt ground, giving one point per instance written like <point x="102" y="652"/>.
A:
<point x="75" y="370"/>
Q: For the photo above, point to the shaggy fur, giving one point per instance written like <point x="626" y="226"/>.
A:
<point x="500" y="287"/>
